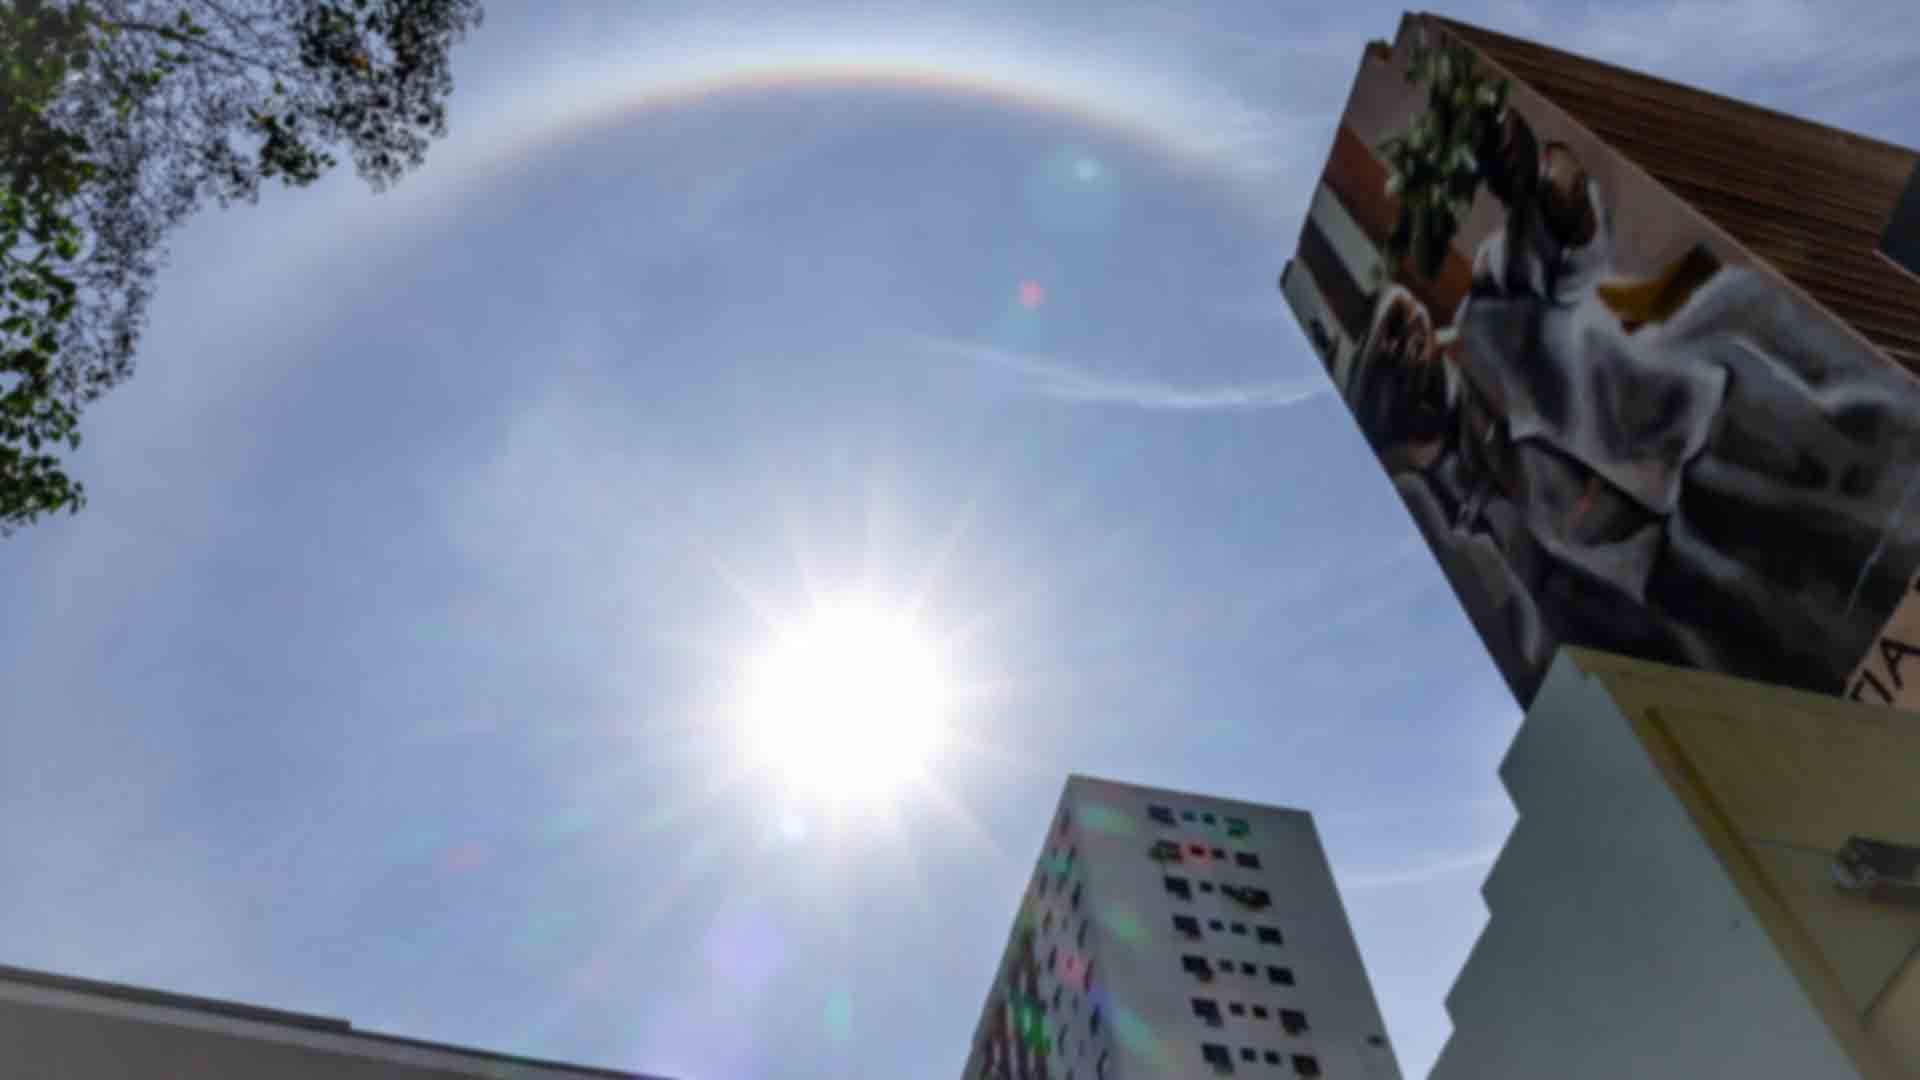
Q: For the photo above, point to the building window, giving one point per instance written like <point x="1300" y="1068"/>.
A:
<point x="1293" y="1020"/>
<point x="1247" y="859"/>
<point x="1186" y="815"/>
<point x="1226" y="966"/>
<point x="1075" y="904"/>
<point x="1046" y="923"/>
<point x="1248" y="969"/>
<point x="1247" y="895"/>
<point x="1100" y="1067"/>
<point x="1273" y="1057"/>
<point x="1160" y="814"/>
<point x="1236" y="1008"/>
<point x="1208" y="1010"/>
<point x="1217" y="1056"/>
<point x="1164" y="851"/>
<point x="1270" y="935"/>
<point x="1240" y="928"/>
<point x="1056" y="997"/>
<point x="1198" y="851"/>
<point x="1066" y="819"/>
<point x="1208" y="818"/>
<point x="1306" y="1065"/>
<point x="1237" y="827"/>
<point x="1093" y="1021"/>
<point x="1219" y="853"/>
<point x="1259" y="1012"/>
<point x="1248" y="1053"/>
<point x="1206" y="886"/>
<point x="1197" y="967"/>
<point x="1053" y="953"/>
<point x="1080" y="939"/>
<point x="1186" y="924"/>
<point x="1279" y="976"/>
<point x="1179" y="886"/>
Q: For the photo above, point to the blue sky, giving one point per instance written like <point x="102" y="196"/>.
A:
<point x="386" y="676"/>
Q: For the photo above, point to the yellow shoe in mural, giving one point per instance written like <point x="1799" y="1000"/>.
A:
<point x="1657" y="298"/>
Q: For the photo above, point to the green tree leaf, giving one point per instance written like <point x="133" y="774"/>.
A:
<point x="105" y="147"/>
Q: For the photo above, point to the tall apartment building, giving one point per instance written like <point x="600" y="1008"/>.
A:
<point x="57" y="1027"/>
<point x="1166" y="934"/>
<point x="1642" y="361"/>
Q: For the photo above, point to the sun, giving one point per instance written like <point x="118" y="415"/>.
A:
<point x="848" y="703"/>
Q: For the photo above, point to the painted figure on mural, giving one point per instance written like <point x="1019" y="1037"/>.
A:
<point x="1690" y="466"/>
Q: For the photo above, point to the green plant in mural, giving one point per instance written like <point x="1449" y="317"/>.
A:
<point x="1435" y="167"/>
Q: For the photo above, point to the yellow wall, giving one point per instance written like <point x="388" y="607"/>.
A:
<point x="1777" y="781"/>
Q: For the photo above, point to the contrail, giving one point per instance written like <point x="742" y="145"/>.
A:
<point x="1419" y="872"/>
<point x="1064" y="382"/>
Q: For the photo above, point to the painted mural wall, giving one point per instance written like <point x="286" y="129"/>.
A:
<point x="1613" y="427"/>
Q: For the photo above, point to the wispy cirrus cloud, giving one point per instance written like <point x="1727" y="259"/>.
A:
<point x="1376" y="816"/>
<point x="1421" y="872"/>
<point x="1050" y="378"/>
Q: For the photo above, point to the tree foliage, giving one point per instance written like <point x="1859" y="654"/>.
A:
<point x="120" y="118"/>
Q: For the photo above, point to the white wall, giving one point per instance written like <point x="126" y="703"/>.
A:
<point x="1617" y="945"/>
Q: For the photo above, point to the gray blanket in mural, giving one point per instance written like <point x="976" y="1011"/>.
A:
<point x="1727" y="488"/>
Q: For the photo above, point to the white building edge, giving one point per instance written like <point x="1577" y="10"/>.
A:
<point x="1667" y="905"/>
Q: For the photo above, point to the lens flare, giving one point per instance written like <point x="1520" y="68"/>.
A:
<point x="1073" y="190"/>
<point x="466" y="857"/>
<point x="1122" y="924"/>
<point x="839" y="1016"/>
<point x="1103" y="819"/>
<point x="1135" y="1037"/>
<point x="793" y="828"/>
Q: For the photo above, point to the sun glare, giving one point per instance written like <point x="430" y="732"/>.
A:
<point x="848" y="702"/>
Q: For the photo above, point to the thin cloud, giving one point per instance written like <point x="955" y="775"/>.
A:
<point x="1064" y="382"/>
<point x="1421" y="872"/>
<point x="1380" y="816"/>
<point x="1828" y="60"/>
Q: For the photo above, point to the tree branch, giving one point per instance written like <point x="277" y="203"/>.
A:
<point x="170" y="34"/>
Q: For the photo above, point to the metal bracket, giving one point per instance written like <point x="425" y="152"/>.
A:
<point x="1878" y="870"/>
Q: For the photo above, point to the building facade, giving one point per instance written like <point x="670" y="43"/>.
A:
<point x="1640" y="360"/>
<point x="56" y="1027"/>
<point x="1166" y="934"/>
<point x="1709" y="877"/>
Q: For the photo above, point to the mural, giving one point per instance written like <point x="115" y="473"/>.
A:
<point x="1613" y="429"/>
